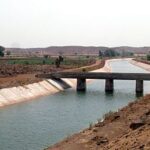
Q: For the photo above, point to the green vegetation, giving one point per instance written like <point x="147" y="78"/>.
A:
<point x="108" y="114"/>
<point x="31" y="61"/>
<point x="2" y="51"/>
<point x="58" y="61"/>
<point x="110" y="52"/>
<point x="8" y="53"/>
<point x="90" y="125"/>
<point x="148" y="57"/>
<point x="76" y="62"/>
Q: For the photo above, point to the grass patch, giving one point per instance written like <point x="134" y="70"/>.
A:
<point x="76" y="62"/>
<point x="108" y="114"/>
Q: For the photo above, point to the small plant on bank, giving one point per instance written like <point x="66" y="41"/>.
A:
<point x="83" y="70"/>
<point x="108" y="114"/>
<point x="90" y="126"/>
<point x="99" y="120"/>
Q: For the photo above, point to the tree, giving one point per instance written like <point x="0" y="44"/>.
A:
<point x="148" y="57"/>
<point x="8" y="53"/>
<point x="61" y="59"/>
<point x="58" y="61"/>
<point x="110" y="53"/>
<point x="44" y="62"/>
<point x="75" y="53"/>
<point x="2" y="51"/>
<point x="100" y="54"/>
<point x="46" y="56"/>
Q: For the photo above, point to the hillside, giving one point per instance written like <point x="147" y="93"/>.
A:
<point x="77" y="50"/>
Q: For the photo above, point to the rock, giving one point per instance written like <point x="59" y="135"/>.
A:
<point x="95" y="130"/>
<point x="142" y="147"/>
<point x="100" y="140"/>
<point x="100" y="124"/>
<point x="147" y="113"/>
<point x="136" y="124"/>
<point x="116" y="117"/>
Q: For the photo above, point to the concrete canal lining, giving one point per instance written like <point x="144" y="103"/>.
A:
<point x="19" y="94"/>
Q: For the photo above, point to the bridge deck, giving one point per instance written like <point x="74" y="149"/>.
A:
<point x="97" y="75"/>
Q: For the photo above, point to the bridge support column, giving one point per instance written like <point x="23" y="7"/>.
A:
<point x="81" y="84"/>
<point x="139" y="86"/>
<point x="109" y="85"/>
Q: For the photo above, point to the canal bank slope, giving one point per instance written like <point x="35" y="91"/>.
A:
<point x="140" y="64"/>
<point x="18" y="94"/>
<point x="127" y="129"/>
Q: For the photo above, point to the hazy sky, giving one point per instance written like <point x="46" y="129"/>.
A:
<point x="42" y="23"/>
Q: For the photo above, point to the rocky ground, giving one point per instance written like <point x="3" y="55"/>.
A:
<point x="127" y="129"/>
<point x="18" y="75"/>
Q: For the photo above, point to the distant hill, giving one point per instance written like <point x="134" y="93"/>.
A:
<point x="77" y="50"/>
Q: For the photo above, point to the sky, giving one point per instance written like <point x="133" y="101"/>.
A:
<point x="43" y="23"/>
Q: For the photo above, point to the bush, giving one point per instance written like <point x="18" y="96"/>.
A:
<point x="90" y="125"/>
<point x="84" y="70"/>
<point x="46" y="56"/>
<point x="44" y="62"/>
<point x="148" y="57"/>
<point x="2" y="51"/>
<point x="8" y="53"/>
<point x="26" y="62"/>
<point x="106" y="115"/>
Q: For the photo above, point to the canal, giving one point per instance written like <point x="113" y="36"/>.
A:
<point x="37" y="124"/>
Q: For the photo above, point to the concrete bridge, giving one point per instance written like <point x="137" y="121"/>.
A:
<point x="109" y="77"/>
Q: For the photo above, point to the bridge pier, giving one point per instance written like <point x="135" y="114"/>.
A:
<point x="109" y="85"/>
<point x="81" y="84"/>
<point x="139" y="86"/>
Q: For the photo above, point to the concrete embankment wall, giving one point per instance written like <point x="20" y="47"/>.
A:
<point x="31" y="91"/>
<point x="141" y="64"/>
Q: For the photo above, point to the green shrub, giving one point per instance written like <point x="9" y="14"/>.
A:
<point x="44" y="62"/>
<point x="148" y="57"/>
<point x="26" y="62"/>
<point x="108" y="114"/>
<point x="90" y="126"/>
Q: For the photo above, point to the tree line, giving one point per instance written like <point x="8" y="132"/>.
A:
<point x="113" y="53"/>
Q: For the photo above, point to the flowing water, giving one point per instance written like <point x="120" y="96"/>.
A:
<point x="36" y="124"/>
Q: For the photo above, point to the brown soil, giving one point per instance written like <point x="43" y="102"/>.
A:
<point x="127" y="129"/>
<point x="18" y="80"/>
<point x="12" y="70"/>
<point x="18" y="75"/>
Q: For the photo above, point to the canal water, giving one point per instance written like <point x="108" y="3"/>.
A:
<point x="37" y="124"/>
